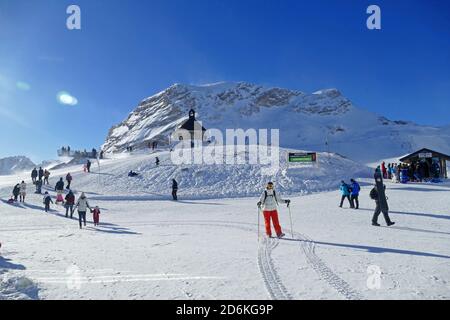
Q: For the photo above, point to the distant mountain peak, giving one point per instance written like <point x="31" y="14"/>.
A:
<point x="11" y="165"/>
<point x="305" y="120"/>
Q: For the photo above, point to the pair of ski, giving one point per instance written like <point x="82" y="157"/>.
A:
<point x="290" y="217"/>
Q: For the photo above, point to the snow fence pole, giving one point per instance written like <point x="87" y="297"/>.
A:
<point x="290" y="217"/>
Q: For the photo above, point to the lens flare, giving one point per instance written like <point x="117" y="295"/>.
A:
<point x="66" y="98"/>
<point x="23" y="86"/>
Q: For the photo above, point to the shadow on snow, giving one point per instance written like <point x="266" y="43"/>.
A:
<point x="371" y="249"/>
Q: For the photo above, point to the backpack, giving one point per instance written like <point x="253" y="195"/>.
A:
<point x="274" y="194"/>
<point x="374" y="194"/>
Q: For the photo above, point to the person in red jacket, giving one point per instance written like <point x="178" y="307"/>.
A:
<point x="70" y="202"/>
<point x="96" y="215"/>
<point x="384" y="170"/>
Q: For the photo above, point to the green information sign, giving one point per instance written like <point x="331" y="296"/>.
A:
<point x="302" y="157"/>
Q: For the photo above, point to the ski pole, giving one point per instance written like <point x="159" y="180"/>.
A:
<point x="259" y="212"/>
<point x="290" y="217"/>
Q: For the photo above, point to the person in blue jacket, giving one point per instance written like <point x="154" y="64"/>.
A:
<point x="354" y="197"/>
<point x="345" y="191"/>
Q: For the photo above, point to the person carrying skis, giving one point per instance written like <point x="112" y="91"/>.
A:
<point x="82" y="206"/>
<point x="46" y="176"/>
<point x="34" y="175"/>
<point x="23" y="191"/>
<point x="380" y="202"/>
<point x="96" y="216"/>
<point x="269" y="201"/>
<point x="16" y="192"/>
<point x="47" y="200"/>
<point x="70" y="202"/>
<point x="69" y="180"/>
<point x="345" y="192"/>
<point x="354" y="196"/>
<point x="174" y="189"/>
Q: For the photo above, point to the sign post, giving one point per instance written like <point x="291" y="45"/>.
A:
<point x="425" y="155"/>
<point x="310" y="157"/>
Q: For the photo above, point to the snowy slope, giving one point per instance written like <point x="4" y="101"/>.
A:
<point x="211" y="181"/>
<point x="208" y="249"/>
<point x="306" y="121"/>
<point x="11" y="165"/>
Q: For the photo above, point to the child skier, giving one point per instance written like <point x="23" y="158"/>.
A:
<point x="47" y="200"/>
<point x="96" y="215"/>
<point x="269" y="203"/>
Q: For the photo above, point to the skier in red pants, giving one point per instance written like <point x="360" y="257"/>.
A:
<point x="269" y="202"/>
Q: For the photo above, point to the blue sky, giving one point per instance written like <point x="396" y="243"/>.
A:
<point x="128" y="50"/>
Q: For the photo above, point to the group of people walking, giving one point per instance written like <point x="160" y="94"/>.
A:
<point x="64" y="195"/>
<point x="351" y="193"/>
<point x="41" y="175"/>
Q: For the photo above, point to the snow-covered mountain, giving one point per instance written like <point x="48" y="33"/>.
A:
<point x="12" y="165"/>
<point x="306" y="121"/>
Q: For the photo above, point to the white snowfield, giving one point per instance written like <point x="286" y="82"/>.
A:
<point x="206" y="246"/>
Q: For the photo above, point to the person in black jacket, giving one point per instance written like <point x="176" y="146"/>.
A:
<point x="59" y="185"/>
<point x="39" y="186"/>
<point x="174" y="189"/>
<point x="16" y="191"/>
<point x="59" y="188"/>
<point x="34" y="175"/>
<point x="47" y="201"/>
<point x="69" y="180"/>
<point x="380" y="207"/>
<point x="88" y="166"/>
<point x="40" y="173"/>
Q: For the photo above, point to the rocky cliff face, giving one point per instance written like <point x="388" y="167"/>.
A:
<point x="320" y="121"/>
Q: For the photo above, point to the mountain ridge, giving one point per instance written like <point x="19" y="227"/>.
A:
<point x="305" y="120"/>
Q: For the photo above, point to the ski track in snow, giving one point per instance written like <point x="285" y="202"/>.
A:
<point x="274" y="286"/>
<point x="272" y="281"/>
<point x="340" y="285"/>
